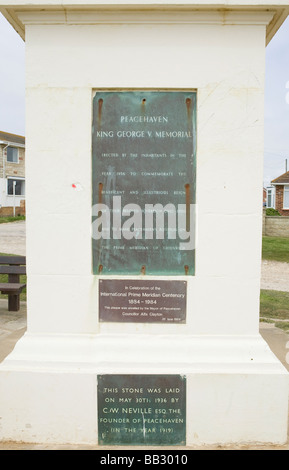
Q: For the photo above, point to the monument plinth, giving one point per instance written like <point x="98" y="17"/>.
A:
<point x="143" y="255"/>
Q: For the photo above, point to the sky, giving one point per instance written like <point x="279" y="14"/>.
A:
<point x="12" y="82"/>
<point x="276" y="144"/>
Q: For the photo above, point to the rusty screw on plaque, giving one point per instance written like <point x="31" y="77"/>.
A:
<point x="143" y="269"/>
<point x="100" y="188"/>
<point x="189" y="110"/>
<point x="186" y="269"/>
<point x="100" y="103"/>
<point x="100" y="268"/>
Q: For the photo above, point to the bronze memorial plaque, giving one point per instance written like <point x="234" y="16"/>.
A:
<point x="141" y="410"/>
<point x="142" y="301"/>
<point x="144" y="178"/>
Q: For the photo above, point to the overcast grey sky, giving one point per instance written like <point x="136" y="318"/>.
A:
<point x="277" y="105"/>
<point x="12" y="95"/>
<point x="12" y="86"/>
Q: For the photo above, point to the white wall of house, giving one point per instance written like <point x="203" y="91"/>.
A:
<point x="2" y="192"/>
<point x="7" y="200"/>
<point x="13" y="171"/>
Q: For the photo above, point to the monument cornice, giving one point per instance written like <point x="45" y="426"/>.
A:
<point x="153" y="16"/>
<point x="269" y="13"/>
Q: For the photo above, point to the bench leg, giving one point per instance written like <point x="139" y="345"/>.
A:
<point x="13" y="302"/>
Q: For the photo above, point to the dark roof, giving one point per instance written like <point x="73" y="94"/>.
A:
<point x="283" y="179"/>
<point x="16" y="139"/>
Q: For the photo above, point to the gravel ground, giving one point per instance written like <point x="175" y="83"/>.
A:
<point x="13" y="238"/>
<point x="275" y="276"/>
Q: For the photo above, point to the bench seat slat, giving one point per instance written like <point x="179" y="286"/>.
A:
<point x="12" y="269"/>
<point x="13" y="260"/>
<point x="13" y="266"/>
<point x="11" y="287"/>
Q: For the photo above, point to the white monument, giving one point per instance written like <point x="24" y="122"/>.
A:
<point x="206" y="376"/>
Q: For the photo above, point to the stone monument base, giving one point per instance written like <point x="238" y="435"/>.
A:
<point x="236" y="389"/>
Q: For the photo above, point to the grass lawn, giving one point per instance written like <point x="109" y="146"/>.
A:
<point x="4" y="278"/>
<point x="275" y="249"/>
<point x="274" y="308"/>
<point x="5" y="220"/>
<point x="274" y="305"/>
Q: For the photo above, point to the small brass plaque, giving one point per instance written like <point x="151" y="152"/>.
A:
<point x="142" y="301"/>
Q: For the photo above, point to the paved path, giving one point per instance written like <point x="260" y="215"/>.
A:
<point x="13" y="238"/>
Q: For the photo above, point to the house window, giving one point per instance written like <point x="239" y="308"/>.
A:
<point x="270" y="198"/>
<point x="19" y="186"/>
<point x="12" y="154"/>
<point x="286" y="198"/>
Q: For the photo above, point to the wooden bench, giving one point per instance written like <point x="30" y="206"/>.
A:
<point x="14" y="266"/>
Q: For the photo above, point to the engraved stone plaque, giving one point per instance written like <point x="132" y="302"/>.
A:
<point x="141" y="410"/>
<point x="144" y="176"/>
<point x="142" y="301"/>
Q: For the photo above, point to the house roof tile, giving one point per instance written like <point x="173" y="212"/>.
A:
<point x="12" y="138"/>
<point x="283" y="179"/>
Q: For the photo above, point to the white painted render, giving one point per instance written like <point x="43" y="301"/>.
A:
<point x="229" y="82"/>
<point x="237" y="391"/>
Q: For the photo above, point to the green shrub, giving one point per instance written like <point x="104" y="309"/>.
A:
<point x="271" y="211"/>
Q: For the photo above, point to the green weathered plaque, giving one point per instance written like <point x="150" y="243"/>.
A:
<point x="144" y="175"/>
<point x="141" y="410"/>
